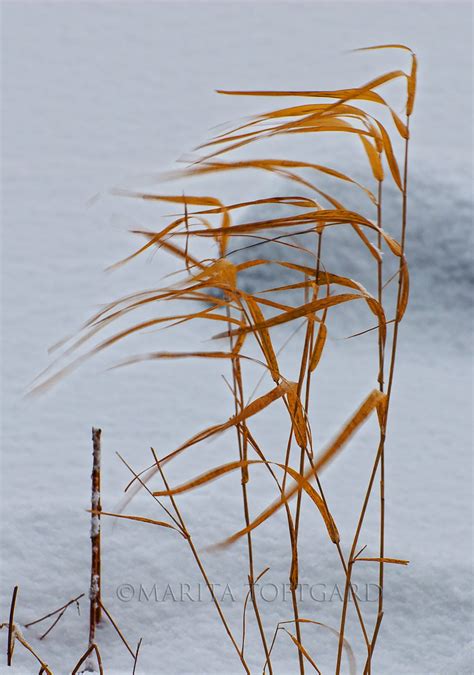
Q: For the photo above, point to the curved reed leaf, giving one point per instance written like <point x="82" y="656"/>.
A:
<point x="318" y="347"/>
<point x="371" y="402"/>
<point x="224" y="469"/>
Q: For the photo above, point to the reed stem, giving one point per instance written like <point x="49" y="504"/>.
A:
<point x="381" y="446"/>
<point x="242" y="440"/>
<point x="201" y="566"/>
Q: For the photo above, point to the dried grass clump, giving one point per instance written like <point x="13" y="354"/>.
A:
<point x="215" y="285"/>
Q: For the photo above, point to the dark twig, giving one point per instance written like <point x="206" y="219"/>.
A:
<point x="11" y="637"/>
<point x="136" y="655"/>
<point x="60" y="610"/>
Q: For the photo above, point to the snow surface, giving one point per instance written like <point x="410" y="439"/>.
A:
<point x="100" y="95"/>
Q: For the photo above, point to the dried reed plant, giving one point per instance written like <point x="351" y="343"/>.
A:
<point x="215" y="285"/>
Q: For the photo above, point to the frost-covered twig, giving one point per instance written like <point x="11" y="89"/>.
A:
<point x="94" y="593"/>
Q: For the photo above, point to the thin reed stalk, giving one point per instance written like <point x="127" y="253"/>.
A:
<point x="383" y="427"/>
<point x="242" y="439"/>
<point x="201" y="566"/>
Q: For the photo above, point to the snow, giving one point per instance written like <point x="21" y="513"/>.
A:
<point x="97" y="95"/>
<point x="95" y="526"/>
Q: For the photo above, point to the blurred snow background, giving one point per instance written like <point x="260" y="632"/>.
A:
<point x="96" y="95"/>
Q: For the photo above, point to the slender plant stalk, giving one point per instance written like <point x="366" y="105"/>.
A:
<point x="291" y="525"/>
<point x="11" y="628"/>
<point x="135" y="660"/>
<point x="291" y="528"/>
<point x="242" y="439"/>
<point x="303" y="365"/>
<point x="381" y="445"/>
<point x="294" y="556"/>
<point x="305" y="369"/>
<point x="310" y="458"/>
<point x="117" y="630"/>
<point x="381" y="387"/>
<point x="310" y="339"/>
<point x="201" y="566"/>
<point x="95" y="584"/>
<point x="394" y="345"/>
